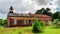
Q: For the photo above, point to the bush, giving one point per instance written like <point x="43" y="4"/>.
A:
<point x="38" y="26"/>
<point x="56" y="23"/>
<point x="3" y="22"/>
<point x="42" y="25"/>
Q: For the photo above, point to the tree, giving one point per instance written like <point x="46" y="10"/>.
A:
<point x="29" y="13"/>
<point x="43" y="11"/>
<point x="56" y="15"/>
<point x="40" y="11"/>
<point x="5" y="22"/>
<point x="1" y="22"/>
<point x="46" y="11"/>
<point x="38" y="26"/>
<point x="35" y="26"/>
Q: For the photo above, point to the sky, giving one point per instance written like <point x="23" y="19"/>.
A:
<point x="26" y="6"/>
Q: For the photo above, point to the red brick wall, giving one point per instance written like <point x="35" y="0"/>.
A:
<point x="11" y="21"/>
<point x="21" y="22"/>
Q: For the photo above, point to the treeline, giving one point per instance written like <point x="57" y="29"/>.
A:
<point x="3" y="22"/>
<point x="46" y="11"/>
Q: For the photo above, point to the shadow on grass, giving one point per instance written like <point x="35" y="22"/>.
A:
<point x="19" y="33"/>
<point x="37" y="32"/>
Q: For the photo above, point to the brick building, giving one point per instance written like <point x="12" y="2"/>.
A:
<point x="18" y="19"/>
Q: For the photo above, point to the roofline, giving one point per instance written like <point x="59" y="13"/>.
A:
<point x="29" y="16"/>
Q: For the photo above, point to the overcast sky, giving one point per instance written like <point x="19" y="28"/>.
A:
<point x="26" y="6"/>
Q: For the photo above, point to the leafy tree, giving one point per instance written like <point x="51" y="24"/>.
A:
<point x="44" y="11"/>
<point x="56" y="15"/>
<point x="35" y="26"/>
<point x="3" y="22"/>
<point x="40" y="11"/>
<point x="29" y="13"/>
<point x="38" y="26"/>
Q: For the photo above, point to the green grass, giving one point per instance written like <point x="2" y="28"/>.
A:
<point x="27" y="30"/>
<point x="49" y="30"/>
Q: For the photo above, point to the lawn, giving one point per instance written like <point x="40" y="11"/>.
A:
<point x="27" y="30"/>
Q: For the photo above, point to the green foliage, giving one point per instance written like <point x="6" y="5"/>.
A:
<point x="19" y="32"/>
<point x="56" y="15"/>
<point x="42" y="25"/>
<point x="38" y="26"/>
<point x="40" y="11"/>
<point x="45" y="11"/>
<point x="35" y="26"/>
<point x="3" y="22"/>
<point x="56" y="23"/>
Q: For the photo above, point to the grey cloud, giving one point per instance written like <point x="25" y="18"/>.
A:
<point x="42" y="2"/>
<point x="58" y="3"/>
<point x="5" y="5"/>
<point x="24" y="6"/>
<point x="18" y="5"/>
<point x="3" y="15"/>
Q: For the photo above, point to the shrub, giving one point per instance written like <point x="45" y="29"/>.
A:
<point x="38" y="26"/>
<point x="3" y="22"/>
<point x="56" y="23"/>
<point x="42" y="25"/>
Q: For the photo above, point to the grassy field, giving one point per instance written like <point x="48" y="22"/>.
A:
<point x="27" y="30"/>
